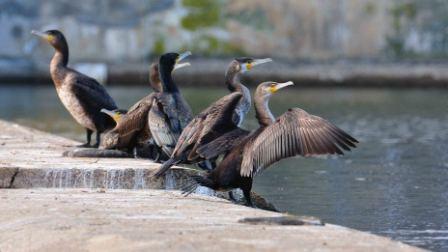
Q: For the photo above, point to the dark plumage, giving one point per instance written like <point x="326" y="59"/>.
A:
<point x="169" y="113"/>
<point x="294" y="133"/>
<point x="81" y="95"/>
<point x="220" y="118"/>
<point x="132" y="129"/>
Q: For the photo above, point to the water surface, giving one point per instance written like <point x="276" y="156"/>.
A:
<point x="395" y="184"/>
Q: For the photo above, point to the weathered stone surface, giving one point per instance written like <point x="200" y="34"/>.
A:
<point x="154" y="220"/>
<point x="7" y="176"/>
<point x="31" y="158"/>
<point x="101" y="217"/>
<point x="35" y="158"/>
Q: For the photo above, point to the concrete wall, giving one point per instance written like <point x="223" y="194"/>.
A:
<point x="118" y="31"/>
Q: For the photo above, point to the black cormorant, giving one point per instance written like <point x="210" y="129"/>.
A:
<point x="81" y="95"/>
<point x="169" y="113"/>
<point x="222" y="117"/>
<point x="132" y="129"/>
<point x="294" y="133"/>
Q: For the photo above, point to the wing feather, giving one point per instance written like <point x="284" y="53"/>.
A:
<point x="161" y="128"/>
<point x="294" y="133"/>
<point x="222" y="144"/>
<point x="208" y="125"/>
<point x="92" y="94"/>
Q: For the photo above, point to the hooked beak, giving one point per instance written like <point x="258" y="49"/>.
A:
<point x="114" y="115"/>
<point x="41" y="34"/>
<point x="248" y="66"/>
<point x="180" y="58"/>
<point x="280" y="86"/>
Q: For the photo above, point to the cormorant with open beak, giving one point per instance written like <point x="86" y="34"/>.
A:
<point x="220" y="119"/>
<point x="169" y="113"/>
<point x="294" y="133"/>
<point x="81" y="95"/>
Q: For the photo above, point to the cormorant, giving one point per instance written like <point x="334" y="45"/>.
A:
<point x="81" y="95"/>
<point x="220" y="118"/>
<point x="169" y="113"/>
<point x="132" y="129"/>
<point x="294" y="133"/>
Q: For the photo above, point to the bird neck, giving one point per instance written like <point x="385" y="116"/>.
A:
<point x="154" y="80"/>
<point x="233" y="80"/>
<point x="59" y="63"/>
<point x="166" y="79"/>
<point x="60" y="57"/>
<point x="262" y="111"/>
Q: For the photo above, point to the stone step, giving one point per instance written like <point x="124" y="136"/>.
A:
<point x="102" y="216"/>
<point x="156" y="220"/>
<point x="34" y="159"/>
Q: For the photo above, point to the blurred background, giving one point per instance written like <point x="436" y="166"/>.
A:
<point x="376" y="68"/>
<point x="366" y="35"/>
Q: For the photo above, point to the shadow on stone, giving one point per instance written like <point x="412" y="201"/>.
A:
<point x="288" y="220"/>
<point x="96" y="153"/>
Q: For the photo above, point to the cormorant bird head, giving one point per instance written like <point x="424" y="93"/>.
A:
<point x="114" y="114"/>
<point x="154" y="78"/>
<point x="266" y="89"/>
<point x="54" y="37"/>
<point x="245" y="64"/>
<point x="171" y="61"/>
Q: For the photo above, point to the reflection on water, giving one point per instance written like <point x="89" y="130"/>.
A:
<point x="394" y="184"/>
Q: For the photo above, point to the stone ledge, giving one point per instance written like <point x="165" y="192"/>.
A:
<point x="34" y="159"/>
<point x="156" y="220"/>
<point x="99" y="218"/>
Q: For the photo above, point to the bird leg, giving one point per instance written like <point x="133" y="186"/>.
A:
<point x="98" y="139"/>
<point x="247" y="197"/>
<point x="135" y="152"/>
<point x="231" y="196"/>
<point x="89" y="137"/>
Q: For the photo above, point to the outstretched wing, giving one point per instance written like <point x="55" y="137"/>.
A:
<point x="208" y="125"/>
<point x="294" y="133"/>
<point x="223" y="143"/>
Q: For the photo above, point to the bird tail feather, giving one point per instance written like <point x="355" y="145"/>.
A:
<point x="165" y="166"/>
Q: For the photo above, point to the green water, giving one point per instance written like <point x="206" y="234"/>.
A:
<point x="394" y="184"/>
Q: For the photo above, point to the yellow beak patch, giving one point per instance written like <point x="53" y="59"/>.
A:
<point x="117" y="117"/>
<point x="50" y="38"/>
